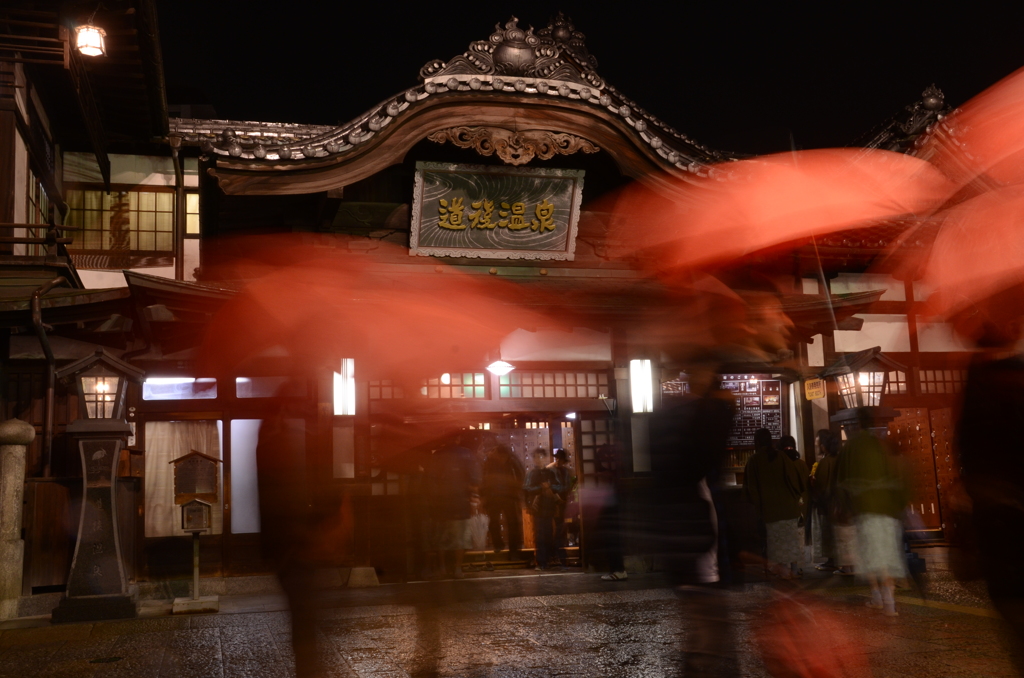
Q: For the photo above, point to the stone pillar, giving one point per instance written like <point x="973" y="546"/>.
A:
<point x="15" y="435"/>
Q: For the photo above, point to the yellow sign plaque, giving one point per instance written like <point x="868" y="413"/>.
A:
<point x="814" y="388"/>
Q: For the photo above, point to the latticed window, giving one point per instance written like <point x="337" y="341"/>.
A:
<point x="553" y="385"/>
<point x="100" y="394"/>
<point x="37" y="211"/>
<point x="597" y="452"/>
<point x="455" y="385"/>
<point x="122" y="220"/>
<point x="897" y="384"/>
<point x="942" y="381"/>
<point x="385" y="389"/>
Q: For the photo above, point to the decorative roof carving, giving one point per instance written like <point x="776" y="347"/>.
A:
<point x="904" y="132"/>
<point x="551" y="65"/>
<point x="556" y="52"/>
<point x="514" y="147"/>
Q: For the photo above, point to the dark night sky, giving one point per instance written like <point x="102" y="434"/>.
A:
<point x="731" y="77"/>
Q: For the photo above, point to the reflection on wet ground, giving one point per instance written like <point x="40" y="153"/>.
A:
<point x="566" y="624"/>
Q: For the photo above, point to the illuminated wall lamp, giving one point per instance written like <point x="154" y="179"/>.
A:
<point x="641" y="385"/>
<point x="500" y="368"/>
<point x="90" y="40"/>
<point x="345" y="388"/>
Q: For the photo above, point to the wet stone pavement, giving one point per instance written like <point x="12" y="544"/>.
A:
<point x="555" y="625"/>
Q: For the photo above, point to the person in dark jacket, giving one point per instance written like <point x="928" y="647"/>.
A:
<point x="993" y="471"/>
<point x="543" y="504"/>
<point x="687" y="441"/>
<point x="565" y="482"/>
<point x="822" y="481"/>
<point x="289" y="525"/>
<point x="501" y="492"/>
<point x="774" y="485"/>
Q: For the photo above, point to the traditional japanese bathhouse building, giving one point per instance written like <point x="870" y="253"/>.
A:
<point x="493" y="162"/>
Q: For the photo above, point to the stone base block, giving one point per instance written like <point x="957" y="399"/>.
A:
<point x="190" y="606"/>
<point x="94" y="608"/>
<point x="361" y="577"/>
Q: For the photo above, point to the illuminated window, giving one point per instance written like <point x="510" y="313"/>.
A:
<point x="520" y="384"/>
<point x="455" y="385"/>
<point x="191" y="213"/>
<point x="178" y="388"/>
<point x="123" y="220"/>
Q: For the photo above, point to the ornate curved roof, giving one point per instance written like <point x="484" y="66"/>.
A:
<point x="546" y="82"/>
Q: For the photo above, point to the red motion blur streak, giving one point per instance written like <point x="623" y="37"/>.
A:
<point x="314" y="306"/>
<point x="981" y="145"/>
<point x="800" y="637"/>
<point x="975" y="264"/>
<point x="765" y="202"/>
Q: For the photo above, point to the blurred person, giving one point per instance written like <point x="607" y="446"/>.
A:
<point x="501" y="492"/>
<point x="788" y="446"/>
<point x="290" y="525"/>
<point x="872" y="476"/>
<point x="564" y="483"/>
<point x="687" y="442"/>
<point x="454" y="477"/>
<point x="774" y="485"/>
<point x="607" y="494"/>
<point x="993" y="470"/>
<point x="543" y="504"/>
<point x="822" y="476"/>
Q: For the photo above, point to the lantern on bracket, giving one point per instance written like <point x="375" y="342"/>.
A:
<point x="862" y="378"/>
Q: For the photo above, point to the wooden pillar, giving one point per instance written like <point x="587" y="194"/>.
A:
<point x="913" y="380"/>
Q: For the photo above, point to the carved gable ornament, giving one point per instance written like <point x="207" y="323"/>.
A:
<point x="556" y="52"/>
<point x="514" y="148"/>
<point x="548" y="66"/>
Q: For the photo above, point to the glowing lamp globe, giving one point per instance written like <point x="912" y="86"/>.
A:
<point x="89" y="40"/>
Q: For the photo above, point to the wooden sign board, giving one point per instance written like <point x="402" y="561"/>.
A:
<point x="196" y="476"/>
<point x="758" y="405"/>
<point x="495" y="212"/>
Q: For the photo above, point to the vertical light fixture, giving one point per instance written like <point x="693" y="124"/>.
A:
<point x="345" y="388"/>
<point x="641" y="385"/>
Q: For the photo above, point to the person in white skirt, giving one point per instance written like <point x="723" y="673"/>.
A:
<point x="774" y="485"/>
<point x="872" y="478"/>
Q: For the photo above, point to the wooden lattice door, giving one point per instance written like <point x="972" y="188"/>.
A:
<point x="947" y="472"/>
